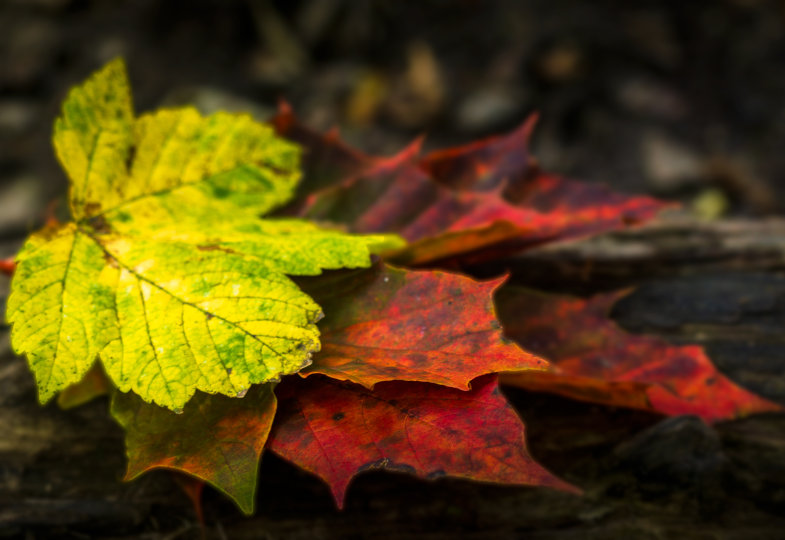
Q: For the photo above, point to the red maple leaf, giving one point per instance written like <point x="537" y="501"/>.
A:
<point x="337" y="430"/>
<point x="595" y="360"/>
<point x="461" y="205"/>
<point x="387" y="324"/>
<point x="327" y="159"/>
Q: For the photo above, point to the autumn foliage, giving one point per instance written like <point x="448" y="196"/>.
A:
<point x="410" y="354"/>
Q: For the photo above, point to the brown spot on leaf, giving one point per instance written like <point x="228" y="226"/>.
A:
<point x="92" y="208"/>
<point x="99" y="225"/>
<point x="214" y="247"/>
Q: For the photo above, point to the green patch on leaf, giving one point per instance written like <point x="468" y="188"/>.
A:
<point x="167" y="274"/>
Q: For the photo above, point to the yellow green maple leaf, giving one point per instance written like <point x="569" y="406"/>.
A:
<point x="167" y="273"/>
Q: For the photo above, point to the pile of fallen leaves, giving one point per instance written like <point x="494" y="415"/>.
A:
<point x="331" y="331"/>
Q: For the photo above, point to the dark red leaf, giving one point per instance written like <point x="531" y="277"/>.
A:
<point x="386" y="324"/>
<point x="504" y="162"/>
<point x="486" y="164"/>
<point x="337" y="430"/>
<point x="595" y="360"/>
<point x="397" y="196"/>
<point x="484" y="200"/>
<point x="326" y="159"/>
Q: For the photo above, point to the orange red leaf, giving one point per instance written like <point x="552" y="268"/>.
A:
<point x="485" y="164"/>
<point x="388" y="324"/>
<point x="595" y="360"/>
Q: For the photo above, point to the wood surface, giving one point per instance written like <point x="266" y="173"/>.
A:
<point x="720" y="284"/>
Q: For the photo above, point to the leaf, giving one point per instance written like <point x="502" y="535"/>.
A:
<point x="388" y="324"/>
<point x="94" y="384"/>
<point x="486" y="164"/>
<point x="473" y="203"/>
<point x="504" y="163"/>
<point x="93" y="137"/>
<point x="175" y="153"/>
<point x="595" y="360"/>
<point x="337" y="430"/>
<point x="216" y="439"/>
<point x="168" y="273"/>
<point x="326" y="159"/>
<point x="397" y="195"/>
<point x="371" y="316"/>
<point x="548" y="209"/>
<point x="54" y="290"/>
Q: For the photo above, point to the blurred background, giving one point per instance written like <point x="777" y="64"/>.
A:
<point x="682" y="99"/>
